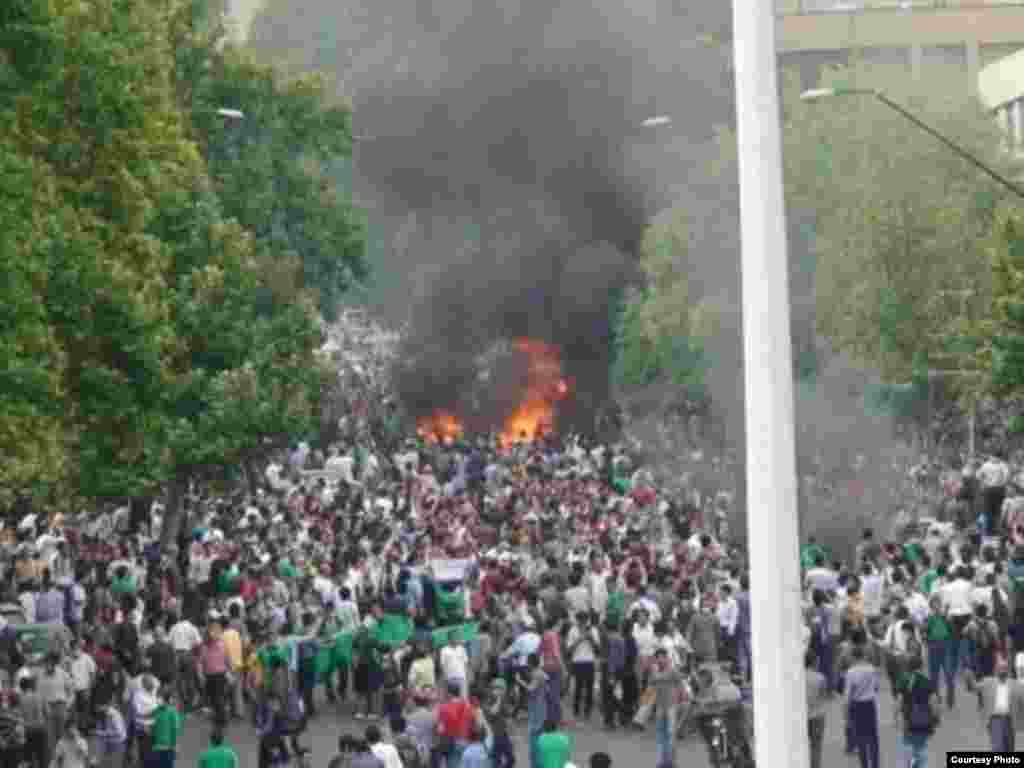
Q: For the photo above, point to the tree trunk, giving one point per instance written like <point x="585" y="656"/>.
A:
<point x="251" y="476"/>
<point x="173" y="515"/>
<point x="139" y="512"/>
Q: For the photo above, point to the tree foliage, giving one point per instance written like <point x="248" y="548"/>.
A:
<point x="888" y="238"/>
<point x="661" y="330"/>
<point x="900" y="221"/>
<point x="277" y="170"/>
<point x="154" y="325"/>
<point x="1001" y="356"/>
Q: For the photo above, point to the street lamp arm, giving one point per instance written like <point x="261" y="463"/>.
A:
<point x="949" y="143"/>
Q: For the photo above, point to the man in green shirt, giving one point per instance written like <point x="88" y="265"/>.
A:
<point x="218" y="755"/>
<point x="554" y="748"/>
<point x="286" y="570"/>
<point x="123" y="582"/>
<point x="928" y="580"/>
<point x="167" y="723"/>
<point x="810" y="553"/>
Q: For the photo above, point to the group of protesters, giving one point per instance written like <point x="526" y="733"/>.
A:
<point x="440" y="591"/>
<point x="935" y="610"/>
<point x="437" y="590"/>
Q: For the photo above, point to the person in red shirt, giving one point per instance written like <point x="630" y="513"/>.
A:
<point x="213" y="665"/>
<point x="455" y="720"/>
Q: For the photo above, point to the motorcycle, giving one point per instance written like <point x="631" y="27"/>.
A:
<point x="727" y="752"/>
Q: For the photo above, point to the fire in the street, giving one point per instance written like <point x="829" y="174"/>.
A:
<point x="440" y="426"/>
<point x="534" y="417"/>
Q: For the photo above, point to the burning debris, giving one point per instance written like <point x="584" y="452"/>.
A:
<point x="534" y="416"/>
<point x="519" y="386"/>
<point x="440" y="426"/>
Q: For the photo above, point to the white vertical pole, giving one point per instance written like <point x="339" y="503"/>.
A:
<point x="780" y="705"/>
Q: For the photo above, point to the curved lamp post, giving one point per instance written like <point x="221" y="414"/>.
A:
<point x="819" y="94"/>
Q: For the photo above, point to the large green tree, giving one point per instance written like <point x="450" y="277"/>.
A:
<point x="899" y="221"/>
<point x="154" y="327"/>
<point x="31" y="428"/>
<point x="264" y="246"/>
<point x="278" y="170"/>
<point x="88" y="105"/>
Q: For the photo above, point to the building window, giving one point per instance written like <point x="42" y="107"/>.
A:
<point x="1009" y="113"/>
<point x="1018" y="128"/>
<point x="826" y="6"/>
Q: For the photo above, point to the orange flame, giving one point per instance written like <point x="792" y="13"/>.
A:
<point x="440" y="426"/>
<point x="533" y="418"/>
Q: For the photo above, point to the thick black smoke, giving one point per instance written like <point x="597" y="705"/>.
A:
<point x="499" y="141"/>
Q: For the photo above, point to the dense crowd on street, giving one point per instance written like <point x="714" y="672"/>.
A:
<point x="437" y="596"/>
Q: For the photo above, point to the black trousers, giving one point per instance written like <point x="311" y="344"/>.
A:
<point x="630" y="696"/>
<point x="216" y="693"/>
<point x="583" y="694"/>
<point x="611" y="709"/>
<point x="993" y="500"/>
<point x="36" y="751"/>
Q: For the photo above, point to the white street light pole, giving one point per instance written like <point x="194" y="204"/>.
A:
<point x="780" y="703"/>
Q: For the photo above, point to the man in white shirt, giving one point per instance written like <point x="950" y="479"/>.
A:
<point x="1001" y="704"/>
<point x="993" y="477"/>
<point x="873" y="589"/>
<point x="386" y="753"/>
<point x="956" y="597"/>
<point x="83" y="675"/>
<point x="340" y="467"/>
<point x="728" y="611"/>
<point x="27" y="600"/>
<point x="956" y="602"/>
<point x="577" y="597"/>
<point x="598" y="586"/>
<point x="896" y="638"/>
<point x="582" y="645"/>
<point x="982" y="595"/>
<point x="821" y="577"/>
<point x="917" y="607"/>
<point x="455" y="664"/>
<point x="184" y="639"/>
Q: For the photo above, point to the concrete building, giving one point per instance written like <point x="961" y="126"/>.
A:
<point x="971" y="33"/>
<point x="1001" y="89"/>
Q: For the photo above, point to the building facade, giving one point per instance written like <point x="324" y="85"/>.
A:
<point x="1001" y="89"/>
<point x="813" y="34"/>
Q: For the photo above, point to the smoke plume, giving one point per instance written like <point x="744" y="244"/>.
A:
<point x="503" y="141"/>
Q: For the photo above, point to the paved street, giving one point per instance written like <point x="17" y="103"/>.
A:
<point x="960" y="730"/>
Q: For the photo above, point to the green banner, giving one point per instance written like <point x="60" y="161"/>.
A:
<point x="391" y="631"/>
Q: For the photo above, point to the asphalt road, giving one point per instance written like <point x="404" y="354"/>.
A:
<point x="961" y="729"/>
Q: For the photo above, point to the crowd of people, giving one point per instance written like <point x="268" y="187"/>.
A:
<point x="441" y="595"/>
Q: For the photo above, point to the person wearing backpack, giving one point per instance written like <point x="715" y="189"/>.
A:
<point x="900" y="645"/>
<point x="919" y="712"/>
